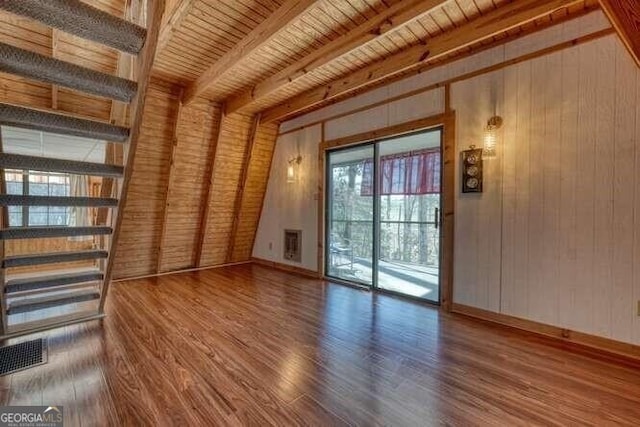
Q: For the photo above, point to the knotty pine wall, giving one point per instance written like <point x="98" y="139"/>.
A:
<point x="229" y="157"/>
<point x="196" y="133"/>
<point x="252" y="197"/>
<point x="555" y="237"/>
<point x="188" y="177"/>
<point x="138" y="247"/>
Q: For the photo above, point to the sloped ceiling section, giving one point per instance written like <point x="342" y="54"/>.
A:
<point x="254" y="55"/>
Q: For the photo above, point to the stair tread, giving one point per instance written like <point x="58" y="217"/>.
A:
<point x="12" y="115"/>
<point x="24" y="63"/>
<point x="47" y="232"/>
<point x="42" y="273"/>
<point x="39" y="303"/>
<point x="85" y="251"/>
<point x="52" y="279"/>
<point x="19" y="161"/>
<point x="54" y="274"/>
<point x="53" y="257"/>
<point x="83" y="20"/>
<point x="21" y="200"/>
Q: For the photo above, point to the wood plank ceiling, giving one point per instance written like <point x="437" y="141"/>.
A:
<point x="331" y="39"/>
<point x="625" y="17"/>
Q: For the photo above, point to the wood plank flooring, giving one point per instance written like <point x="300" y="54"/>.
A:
<point x="248" y="345"/>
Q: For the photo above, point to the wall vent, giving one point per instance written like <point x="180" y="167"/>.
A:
<point x="293" y="245"/>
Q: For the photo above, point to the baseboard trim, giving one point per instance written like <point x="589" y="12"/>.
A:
<point x="187" y="270"/>
<point x="593" y="344"/>
<point x="287" y="268"/>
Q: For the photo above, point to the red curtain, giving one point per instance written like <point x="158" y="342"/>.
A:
<point x="411" y="173"/>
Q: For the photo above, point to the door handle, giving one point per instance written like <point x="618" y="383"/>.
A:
<point x="436" y="219"/>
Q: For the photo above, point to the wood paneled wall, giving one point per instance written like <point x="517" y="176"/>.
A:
<point x="555" y="239"/>
<point x="255" y="186"/>
<point x="231" y="150"/>
<point x="195" y="170"/>
<point x="138" y="247"/>
<point x="196" y="133"/>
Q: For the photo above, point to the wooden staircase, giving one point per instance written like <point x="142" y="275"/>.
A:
<point x="53" y="297"/>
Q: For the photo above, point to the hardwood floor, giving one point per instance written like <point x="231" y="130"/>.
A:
<point x="248" y="345"/>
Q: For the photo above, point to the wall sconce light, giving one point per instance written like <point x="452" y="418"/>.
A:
<point x="292" y="168"/>
<point x="491" y="137"/>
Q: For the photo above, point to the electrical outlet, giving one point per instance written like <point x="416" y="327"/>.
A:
<point x="270" y="246"/>
<point x="638" y="313"/>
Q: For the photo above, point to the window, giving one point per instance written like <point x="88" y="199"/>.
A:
<point x="37" y="184"/>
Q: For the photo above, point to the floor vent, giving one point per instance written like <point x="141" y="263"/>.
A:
<point x="16" y="357"/>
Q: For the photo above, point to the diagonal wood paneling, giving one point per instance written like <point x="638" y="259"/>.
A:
<point x="386" y="22"/>
<point x="162" y="220"/>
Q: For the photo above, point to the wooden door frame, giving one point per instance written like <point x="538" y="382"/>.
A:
<point x="445" y="121"/>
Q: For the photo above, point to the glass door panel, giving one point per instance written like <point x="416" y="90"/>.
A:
<point x="349" y="215"/>
<point x="409" y="209"/>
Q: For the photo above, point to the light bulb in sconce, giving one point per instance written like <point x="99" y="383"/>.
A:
<point x="292" y="169"/>
<point x="491" y="137"/>
<point x="291" y="173"/>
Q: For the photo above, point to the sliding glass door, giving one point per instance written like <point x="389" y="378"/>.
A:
<point x="349" y="216"/>
<point x="409" y="198"/>
<point x="387" y="235"/>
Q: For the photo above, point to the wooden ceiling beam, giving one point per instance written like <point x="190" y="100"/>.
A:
<point x="504" y="18"/>
<point x="625" y="18"/>
<point x="262" y="34"/>
<point x="386" y="22"/>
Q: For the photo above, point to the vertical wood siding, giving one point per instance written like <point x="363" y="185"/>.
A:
<point x="565" y="187"/>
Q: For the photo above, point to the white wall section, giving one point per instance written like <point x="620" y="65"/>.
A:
<point x="291" y="205"/>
